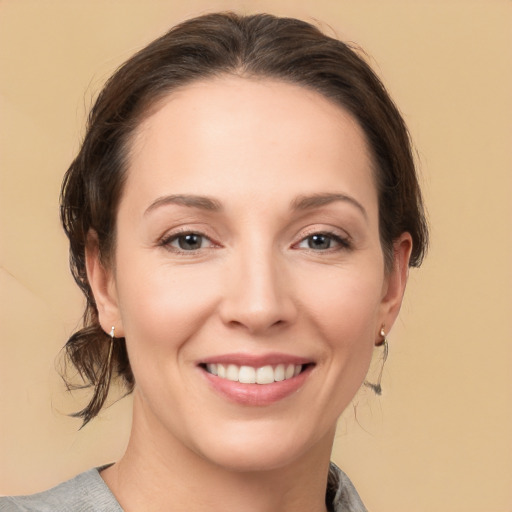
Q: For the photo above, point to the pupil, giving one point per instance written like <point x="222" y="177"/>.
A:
<point x="319" y="242"/>
<point x="190" y="242"/>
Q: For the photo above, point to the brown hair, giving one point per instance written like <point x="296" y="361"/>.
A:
<point x="259" y="45"/>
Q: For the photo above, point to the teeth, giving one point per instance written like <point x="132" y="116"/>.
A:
<point x="265" y="375"/>
<point x="249" y="375"/>
<point x="279" y="373"/>
<point x="212" y="368"/>
<point x="232" y="372"/>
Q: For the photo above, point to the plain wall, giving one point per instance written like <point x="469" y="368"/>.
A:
<point x="439" y="438"/>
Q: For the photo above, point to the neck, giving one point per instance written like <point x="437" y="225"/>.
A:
<point x="159" y="473"/>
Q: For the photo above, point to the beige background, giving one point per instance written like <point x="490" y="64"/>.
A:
<point x="439" y="439"/>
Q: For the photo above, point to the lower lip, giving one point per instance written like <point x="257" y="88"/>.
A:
<point x="257" y="394"/>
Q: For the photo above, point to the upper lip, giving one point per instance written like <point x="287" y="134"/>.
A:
<point x="256" y="360"/>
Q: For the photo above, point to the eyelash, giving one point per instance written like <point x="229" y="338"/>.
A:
<point x="343" y="243"/>
<point x="166" y="241"/>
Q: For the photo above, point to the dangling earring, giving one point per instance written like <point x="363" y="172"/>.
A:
<point x="111" y="348"/>
<point x="377" y="388"/>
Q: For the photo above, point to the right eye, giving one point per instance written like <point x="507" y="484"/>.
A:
<point x="185" y="242"/>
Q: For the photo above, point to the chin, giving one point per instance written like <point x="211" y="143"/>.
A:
<point x="259" y="448"/>
<point x="244" y="459"/>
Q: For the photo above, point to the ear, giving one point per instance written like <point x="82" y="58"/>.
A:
<point x="395" y="282"/>
<point x="102" y="282"/>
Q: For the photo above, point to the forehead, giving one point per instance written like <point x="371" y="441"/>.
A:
<point x="222" y="136"/>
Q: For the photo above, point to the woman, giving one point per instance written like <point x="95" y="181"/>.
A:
<point x="242" y="216"/>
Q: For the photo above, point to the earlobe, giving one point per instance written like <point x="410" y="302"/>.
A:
<point x="396" y="281"/>
<point x="102" y="284"/>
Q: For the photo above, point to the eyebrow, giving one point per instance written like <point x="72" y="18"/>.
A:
<point x="210" y="204"/>
<point x="192" y="201"/>
<point x="318" y="200"/>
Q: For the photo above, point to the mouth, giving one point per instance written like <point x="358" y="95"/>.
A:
<point x="256" y="380"/>
<point x="263" y="375"/>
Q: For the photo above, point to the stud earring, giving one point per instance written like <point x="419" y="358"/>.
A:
<point x="383" y="341"/>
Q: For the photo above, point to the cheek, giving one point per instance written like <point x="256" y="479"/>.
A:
<point x="162" y="306"/>
<point x="344" y="302"/>
<point x="343" y="309"/>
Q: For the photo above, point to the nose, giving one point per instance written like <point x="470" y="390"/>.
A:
<point x="258" y="293"/>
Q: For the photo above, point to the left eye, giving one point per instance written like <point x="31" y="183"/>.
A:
<point x="321" y="242"/>
<point x="187" y="241"/>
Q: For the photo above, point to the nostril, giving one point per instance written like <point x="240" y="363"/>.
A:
<point x="256" y="325"/>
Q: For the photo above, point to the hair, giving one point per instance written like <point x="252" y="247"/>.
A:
<point x="260" y="46"/>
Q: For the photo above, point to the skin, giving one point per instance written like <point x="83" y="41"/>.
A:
<point x="256" y="284"/>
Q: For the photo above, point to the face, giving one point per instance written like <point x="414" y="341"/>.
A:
<point x="249" y="278"/>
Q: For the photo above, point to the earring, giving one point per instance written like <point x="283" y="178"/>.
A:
<point x="111" y="347"/>
<point x="376" y="387"/>
<point x="383" y="341"/>
<point x="107" y="369"/>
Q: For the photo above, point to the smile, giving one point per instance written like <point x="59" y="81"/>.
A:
<point x="256" y="380"/>
<point x="267" y="374"/>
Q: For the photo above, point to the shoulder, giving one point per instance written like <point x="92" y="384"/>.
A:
<point x="346" y="498"/>
<point x="86" y="492"/>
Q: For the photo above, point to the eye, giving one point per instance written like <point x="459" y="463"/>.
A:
<point x="184" y="242"/>
<point x="323" y="242"/>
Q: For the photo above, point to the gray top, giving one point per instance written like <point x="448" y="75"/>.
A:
<point x="87" y="492"/>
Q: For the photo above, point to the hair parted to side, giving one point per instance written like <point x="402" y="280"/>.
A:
<point x="260" y="46"/>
